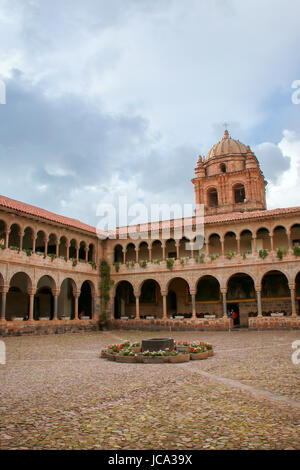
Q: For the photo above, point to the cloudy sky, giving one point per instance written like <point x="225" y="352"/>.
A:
<point x="112" y="97"/>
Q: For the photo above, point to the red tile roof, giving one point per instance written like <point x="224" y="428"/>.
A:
<point x="73" y="223"/>
<point x="43" y="214"/>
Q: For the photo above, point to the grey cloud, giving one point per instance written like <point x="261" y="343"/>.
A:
<point x="272" y="161"/>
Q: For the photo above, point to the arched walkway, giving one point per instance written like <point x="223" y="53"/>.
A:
<point x="208" y="297"/>
<point x="241" y="298"/>
<point x="276" y="295"/>
<point x="178" y="299"/>
<point x="85" y="302"/>
<point x="66" y="299"/>
<point x="17" y="298"/>
<point x="124" y="303"/>
<point x="44" y="299"/>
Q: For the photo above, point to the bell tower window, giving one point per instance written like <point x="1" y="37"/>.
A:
<point x="239" y="193"/>
<point x="223" y="168"/>
<point x="212" y="197"/>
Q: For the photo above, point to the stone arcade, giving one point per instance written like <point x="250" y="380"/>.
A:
<point x="50" y="276"/>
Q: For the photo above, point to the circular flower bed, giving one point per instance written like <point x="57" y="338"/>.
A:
<point x="182" y="351"/>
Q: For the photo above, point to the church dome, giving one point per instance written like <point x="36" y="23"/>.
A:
<point x="227" y="146"/>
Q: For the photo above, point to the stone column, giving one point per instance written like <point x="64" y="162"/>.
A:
<point x="258" y="296"/>
<point x="165" y="313"/>
<point x="21" y="240"/>
<point x="164" y="252"/>
<point x="4" y="290"/>
<point x="193" y="295"/>
<point x="76" y="297"/>
<point x="137" y="307"/>
<point x="124" y="256"/>
<point x="77" y="253"/>
<point x="207" y="249"/>
<point x="290" y="242"/>
<point x="223" y="246"/>
<point x="255" y="245"/>
<point x="55" y="295"/>
<point x="238" y="246"/>
<point x="136" y="255"/>
<point x="57" y="250"/>
<point x="6" y="238"/>
<point x="293" y="299"/>
<point x="272" y="243"/>
<point x="150" y="255"/>
<point x="33" y="243"/>
<point x="31" y="293"/>
<point x="178" y="250"/>
<point x="224" y="302"/>
<point x="68" y="250"/>
<point x="46" y="246"/>
<point x="86" y="254"/>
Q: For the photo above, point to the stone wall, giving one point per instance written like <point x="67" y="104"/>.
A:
<point x="273" y="323"/>
<point x="16" y="328"/>
<point x="218" y="324"/>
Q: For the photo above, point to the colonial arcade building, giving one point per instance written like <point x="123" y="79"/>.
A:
<point x="249" y="263"/>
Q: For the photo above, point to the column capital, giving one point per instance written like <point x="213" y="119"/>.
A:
<point x="55" y="292"/>
<point x="258" y="289"/>
<point x="223" y="290"/>
<point x="76" y="293"/>
<point x="4" y="289"/>
<point x="292" y="286"/>
<point x="164" y="293"/>
<point x="193" y="291"/>
<point x="32" y="291"/>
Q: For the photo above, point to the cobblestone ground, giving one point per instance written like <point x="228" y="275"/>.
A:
<point x="56" y="393"/>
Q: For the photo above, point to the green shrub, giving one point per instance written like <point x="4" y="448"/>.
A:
<point x="297" y="250"/>
<point x="117" y="266"/>
<point x="170" y="263"/>
<point x="143" y="263"/>
<point x="263" y="253"/>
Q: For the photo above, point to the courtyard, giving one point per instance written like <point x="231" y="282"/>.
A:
<point x="56" y="393"/>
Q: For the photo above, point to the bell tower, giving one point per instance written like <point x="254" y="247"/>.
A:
<point x="229" y="179"/>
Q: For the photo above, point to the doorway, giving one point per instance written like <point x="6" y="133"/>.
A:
<point x="236" y="309"/>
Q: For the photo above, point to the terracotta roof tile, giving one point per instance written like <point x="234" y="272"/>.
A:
<point x="42" y="213"/>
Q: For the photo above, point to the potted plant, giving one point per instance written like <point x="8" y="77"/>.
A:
<point x="198" y="352"/>
<point x="182" y="346"/>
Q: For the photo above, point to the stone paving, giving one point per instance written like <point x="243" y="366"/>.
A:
<point x="56" y="393"/>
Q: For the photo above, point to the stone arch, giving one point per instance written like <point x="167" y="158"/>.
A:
<point x="82" y="252"/>
<point x="295" y="235"/>
<point x="3" y="230"/>
<point x="85" y="301"/>
<point x="263" y="240"/>
<point x="246" y="238"/>
<point x="230" y="242"/>
<point x="91" y="253"/>
<point x="238" y="193"/>
<point x="280" y="238"/>
<point x="44" y="299"/>
<point x="157" y="250"/>
<point x="14" y="238"/>
<point x="241" y="297"/>
<point x="17" y="299"/>
<point x="124" y="299"/>
<point x="171" y="251"/>
<point x="41" y="238"/>
<point x="63" y="247"/>
<point x="131" y="252"/>
<point x="28" y="237"/>
<point x="118" y="253"/>
<point x="52" y="243"/>
<point x="212" y="197"/>
<point x="178" y="289"/>
<point x="143" y="251"/>
<point x="275" y="292"/>
<point x="73" y="249"/>
<point x="208" y="295"/>
<point x="66" y="298"/>
<point x="214" y="244"/>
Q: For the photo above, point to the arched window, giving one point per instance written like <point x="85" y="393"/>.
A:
<point x="223" y="168"/>
<point x="239" y="193"/>
<point x="212" y="197"/>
